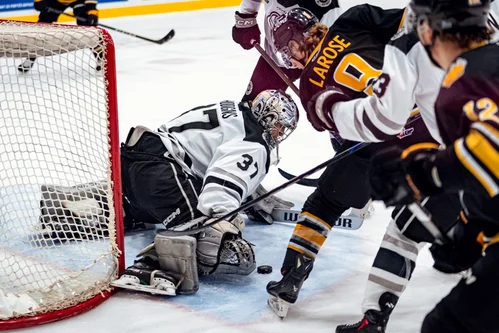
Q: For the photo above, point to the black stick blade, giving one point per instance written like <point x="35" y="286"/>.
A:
<point x="311" y="182"/>
<point x="169" y="36"/>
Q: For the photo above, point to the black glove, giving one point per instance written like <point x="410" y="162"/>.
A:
<point x="92" y="20"/>
<point x="462" y="253"/>
<point x="40" y="5"/>
<point x="399" y="178"/>
<point x="246" y="30"/>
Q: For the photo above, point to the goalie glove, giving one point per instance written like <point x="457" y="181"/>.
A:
<point x="262" y="210"/>
<point x="319" y="108"/>
<point x="246" y="32"/>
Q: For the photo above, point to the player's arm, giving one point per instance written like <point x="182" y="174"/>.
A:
<point x="246" y="30"/>
<point x="235" y="172"/>
<point x="376" y="117"/>
<point x="383" y="114"/>
<point x="472" y="162"/>
<point x="250" y="6"/>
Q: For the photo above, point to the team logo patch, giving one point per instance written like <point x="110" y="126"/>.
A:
<point x="249" y="89"/>
<point x="323" y="3"/>
<point x="406" y="132"/>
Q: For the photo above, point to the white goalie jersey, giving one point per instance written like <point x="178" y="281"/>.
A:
<point x="408" y="79"/>
<point x="327" y="11"/>
<point x="223" y="145"/>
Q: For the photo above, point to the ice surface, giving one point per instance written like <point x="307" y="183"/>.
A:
<point x="200" y="65"/>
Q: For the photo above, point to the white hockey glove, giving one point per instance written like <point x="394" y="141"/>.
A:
<point x="221" y="250"/>
<point x="262" y="211"/>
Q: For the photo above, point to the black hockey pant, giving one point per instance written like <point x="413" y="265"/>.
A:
<point x="156" y="189"/>
<point x="473" y="305"/>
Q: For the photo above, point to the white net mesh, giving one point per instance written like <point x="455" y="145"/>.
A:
<point x="57" y="224"/>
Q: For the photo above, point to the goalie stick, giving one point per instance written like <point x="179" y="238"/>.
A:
<point x="348" y="222"/>
<point x="161" y="41"/>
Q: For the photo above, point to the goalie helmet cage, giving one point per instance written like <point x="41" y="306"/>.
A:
<point x="61" y="229"/>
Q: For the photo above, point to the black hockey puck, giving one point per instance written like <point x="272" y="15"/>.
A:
<point x="264" y="269"/>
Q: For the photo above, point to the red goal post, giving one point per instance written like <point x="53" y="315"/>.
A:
<point x="61" y="221"/>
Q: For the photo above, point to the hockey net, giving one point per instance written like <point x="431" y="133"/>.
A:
<point x="61" y="233"/>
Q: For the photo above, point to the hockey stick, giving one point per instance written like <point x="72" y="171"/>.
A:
<point x="281" y="187"/>
<point x="425" y="218"/>
<point x="155" y="41"/>
<point x="348" y="222"/>
<point x="275" y="67"/>
<point x="311" y="182"/>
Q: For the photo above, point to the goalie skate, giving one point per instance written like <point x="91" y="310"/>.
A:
<point x="279" y="306"/>
<point x="145" y="276"/>
<point x="159" y="286"/>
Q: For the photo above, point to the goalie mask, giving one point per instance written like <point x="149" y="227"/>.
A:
<point x="277" y="113"/>
<point x="295" y="28"/>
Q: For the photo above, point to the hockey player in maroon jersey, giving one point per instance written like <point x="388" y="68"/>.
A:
<point x="467" y="114"/>
<point x="351" y="55"/>
<point x="246" y="31"/>
<point x="50" y="10"/>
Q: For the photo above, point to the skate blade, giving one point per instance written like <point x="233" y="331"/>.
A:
<point x="279" y="306"/>
<point x="158" y="290"/>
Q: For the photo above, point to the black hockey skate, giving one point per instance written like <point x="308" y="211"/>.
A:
<point x="99" y="57"/>
<point x="285" y="292"/>
<point x="374" y="321"/>
<point x="26" y="66"/>
<point x="146" y="275"/>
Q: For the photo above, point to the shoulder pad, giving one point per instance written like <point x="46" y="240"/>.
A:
<point x="403" y="41"/>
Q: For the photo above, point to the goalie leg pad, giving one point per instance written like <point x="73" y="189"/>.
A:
<point x="80" y="210"/>
<point x="178" y="254"/>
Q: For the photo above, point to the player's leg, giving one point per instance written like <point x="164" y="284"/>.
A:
<point x="471" y="306"/>
<point x="88" y="16"/>
<point x="265" y="77"/>
<point x="46" y="16"/>
<point x="342" y="185"/>
<point x="396" y="260"/>
<point x="156" y="188"/>
<point x="157" y="185"/>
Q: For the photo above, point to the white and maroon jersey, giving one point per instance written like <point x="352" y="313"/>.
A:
<point x="409" y="78"/>
<point x="223" y="145"/>
<point x="327" y="11"/>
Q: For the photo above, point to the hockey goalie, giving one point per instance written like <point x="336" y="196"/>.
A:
<point x="197" y="167"/>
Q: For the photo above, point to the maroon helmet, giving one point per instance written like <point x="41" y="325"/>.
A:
<point x="298" y="21"/>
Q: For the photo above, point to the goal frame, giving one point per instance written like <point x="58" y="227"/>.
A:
<point x="114" y="143"/>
